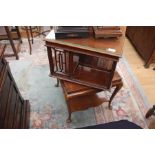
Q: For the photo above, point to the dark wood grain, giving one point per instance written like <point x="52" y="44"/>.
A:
<point x="12" y="106"/>
<point x="143" y="39"/>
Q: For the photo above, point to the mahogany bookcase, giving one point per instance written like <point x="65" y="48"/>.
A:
<point x="84" y="62"/>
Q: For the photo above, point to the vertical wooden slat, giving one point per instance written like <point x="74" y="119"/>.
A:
<point x="15" y="112"/>
<point x="55" y="56"/>
<point x="50" y="60"/>
<point x="11" y="110"/>
<point x="17" y="123"/>
<point x="6" y="115"/>
<point x="71" y="68"/>
<point x="11" y="101"/>
<point x="3" y="100"/>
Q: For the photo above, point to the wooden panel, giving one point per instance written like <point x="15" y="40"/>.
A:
<point x="85" y="102"/>
<point x="143" y="39"/>
<point x="4" y="100"/>
<point x="93" y="71"/>
<point x="12" y="105"/>
<point x="11" y="111"/>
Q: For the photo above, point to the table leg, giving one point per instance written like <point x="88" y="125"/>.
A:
<point x="118" y="87"/>
<point x="69" y="120"/>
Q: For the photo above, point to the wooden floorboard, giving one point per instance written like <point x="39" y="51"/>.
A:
<point x="145" y="76"/>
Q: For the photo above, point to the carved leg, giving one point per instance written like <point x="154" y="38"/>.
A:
<point x="118" y="87"/>
<point x="150" y="112"/>
<point x="69" y="120"/>
<point x="57" y="84"/>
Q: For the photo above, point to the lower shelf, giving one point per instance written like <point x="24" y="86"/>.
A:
<point x="85" y="102"/>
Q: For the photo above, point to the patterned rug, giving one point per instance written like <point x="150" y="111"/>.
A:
<point x="48" y="106"/>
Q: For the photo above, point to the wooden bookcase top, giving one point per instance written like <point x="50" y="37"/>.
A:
<point x="110" y="46"/>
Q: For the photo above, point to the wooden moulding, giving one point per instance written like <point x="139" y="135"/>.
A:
<point x="75" y="48"/>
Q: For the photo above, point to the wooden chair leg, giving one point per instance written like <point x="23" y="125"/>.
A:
<point x="31" y="33"/>
<point x="28" y="37"/>
<point x="118" y="87"/>
<point x="18" y="33"/>
<point x="11" y="41"/>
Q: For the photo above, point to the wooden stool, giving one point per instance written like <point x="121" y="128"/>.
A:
<point x="81" y="97"/>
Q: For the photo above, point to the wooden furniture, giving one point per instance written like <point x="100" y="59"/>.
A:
<point x="2" y="49"/>
<point x="6" y="34"/>
<point x="85" y="67"/>
<point x="11" y="34"/>
<point x="107" y="31"/>
<point x="143" y="39"/>
<point x="81" y="97"/>
<point x="14" y="110"/>
<point x="28" y="37"/>
<point x="85" y="61"/>
<point x="38" y="30"/>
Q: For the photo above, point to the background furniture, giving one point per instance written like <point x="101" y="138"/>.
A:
<point x="14" y="110"/>
<point x="38" y="30"/>
<point x="2" y="49"/>
<point x="143" y="39"/>
<point x="6" y="34"/>
<point x="11" y="34"/>
<point x="28" y="37"/>
<point x="150" y="112"/>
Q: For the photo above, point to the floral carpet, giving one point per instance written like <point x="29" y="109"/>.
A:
<point x="48" y="106"/>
